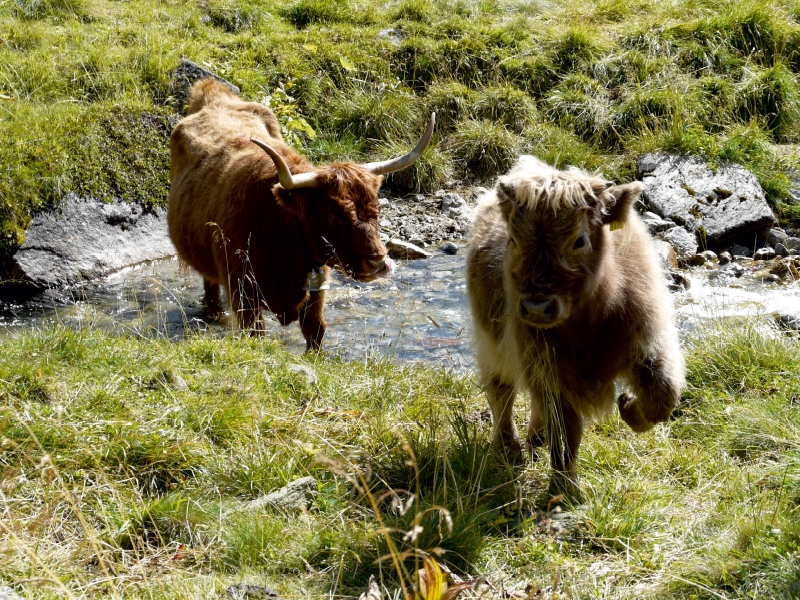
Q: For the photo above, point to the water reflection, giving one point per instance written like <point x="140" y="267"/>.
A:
<point x="418" y="313"/>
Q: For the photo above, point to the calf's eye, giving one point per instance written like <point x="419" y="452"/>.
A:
<point x="580" y="243"/>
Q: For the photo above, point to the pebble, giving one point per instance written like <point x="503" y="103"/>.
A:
<point x="6" y="593"/>
<point x="725" y="258"/>
<point x="449" y="248"/>
<point x="775" y="236"/>
<point x="792" y="243"/>
<point x="306" y="372"/>
<point x="738" y="250"/>
<point x="781" y="250"/>
<point x="764" y="254"/>
<point x="684" y="243"/>
<point x="400" y="249"/>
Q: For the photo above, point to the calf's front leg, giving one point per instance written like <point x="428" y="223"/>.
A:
<point x="505" y="438"/>
<point x="564" y="430"/>
<point x="656" y="391"/>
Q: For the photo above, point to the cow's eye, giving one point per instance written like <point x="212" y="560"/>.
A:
<point x="580" y="243"/>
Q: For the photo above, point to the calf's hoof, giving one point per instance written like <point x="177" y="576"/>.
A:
<point x="630" y="409"/>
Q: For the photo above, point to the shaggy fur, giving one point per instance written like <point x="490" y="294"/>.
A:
<point x="231" y="220"/>
<point x="568" y="297"/>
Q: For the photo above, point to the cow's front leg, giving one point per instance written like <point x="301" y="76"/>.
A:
<point x="564" y="431"/>
<point x="536" y="436"/>
<point x="312" y="320"/>
<point x="211" y="295"/>
<point x="656" y="391"/>
<point x="505" y="438"/>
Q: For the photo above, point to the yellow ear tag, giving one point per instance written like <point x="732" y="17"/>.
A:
<point x="614" y="225"/>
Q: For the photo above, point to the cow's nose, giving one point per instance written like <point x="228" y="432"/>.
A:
<point x="539" y="309"/>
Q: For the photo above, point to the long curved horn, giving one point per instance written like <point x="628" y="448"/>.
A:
<point x="397" y="164"/>
<point x="288" y="181"/>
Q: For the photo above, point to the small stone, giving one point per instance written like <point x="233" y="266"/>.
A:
<point x="400" y="249"/>
<point x="738" y="250"/>
<point x="419" y="197"/>
<point x="383" y="201"/>
<point x="666" y="254"/>
<point x="418" y="242"/>
<point x="246" y="591"/>
<point x="792" y="243"/>
<point x="684" y="243"/>
<point x="384" y="237"/>
<point x="306" y="372"/>
<point x="449" y="248"/>
<point x="295" y="496"/>
<point x="788" y="322"/>
<point x="703" y="258"/>
<point x="781" y="250"/>
<point x="764" y="254"/>
<point x="385" y="223"/>
<point x="179" y="383"/>
<point x="393" y="36"/>
<point x="725" y="258"/>
<point x="774" y="235"/>
<point x="6" y="593"/>
<point x="678" y="281"/>
<point x="735" y="268"/>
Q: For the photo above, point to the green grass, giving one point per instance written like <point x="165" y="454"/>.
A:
<point x="86" y="101"/>
<point x="125" y="463"/>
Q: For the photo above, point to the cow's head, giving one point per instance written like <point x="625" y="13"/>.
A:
<point x="338" y="207"/>
<point x="558" y="223"/>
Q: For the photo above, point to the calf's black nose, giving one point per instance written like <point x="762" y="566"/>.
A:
<point x="539" y="309"/>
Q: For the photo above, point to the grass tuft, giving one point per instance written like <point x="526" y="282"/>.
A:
<point x="483" y="148"/>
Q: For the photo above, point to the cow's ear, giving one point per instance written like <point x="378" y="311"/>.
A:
<point x="285" y="198"/>
<point x="622" y="200"/>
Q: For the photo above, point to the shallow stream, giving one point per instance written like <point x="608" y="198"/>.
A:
<point x="417" y="313"/>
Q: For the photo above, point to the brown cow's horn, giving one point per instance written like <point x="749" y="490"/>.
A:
<point x="288" y="181"/>
<point x="397" y="164"/>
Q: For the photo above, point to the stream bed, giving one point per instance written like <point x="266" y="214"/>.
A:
<point x="418" y="313"/>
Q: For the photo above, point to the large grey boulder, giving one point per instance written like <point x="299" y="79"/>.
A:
<point x="184" y="77"/>
<point x="719" y="206"/>
<point x="83" y="239"/>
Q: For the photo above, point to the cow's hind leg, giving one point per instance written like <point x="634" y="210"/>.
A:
<point x="656" y="384"/>
<point x="312" y="320"/>
<point x="501" y="402"/>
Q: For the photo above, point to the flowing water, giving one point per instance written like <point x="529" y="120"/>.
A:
<point x="418" y="313"/>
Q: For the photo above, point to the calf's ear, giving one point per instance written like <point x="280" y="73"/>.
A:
<point x="623" y="197"/>
<point x="506" y="196"/>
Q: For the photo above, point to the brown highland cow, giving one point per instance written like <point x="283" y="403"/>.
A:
<point x="568" y="297"/>
<point x="254" y="216"/>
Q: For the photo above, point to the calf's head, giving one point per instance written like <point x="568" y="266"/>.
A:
<point x="338" y="208"/>
<point x="558" y="227"/>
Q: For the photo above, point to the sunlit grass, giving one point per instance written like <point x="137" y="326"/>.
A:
<point x="125" y="456"/>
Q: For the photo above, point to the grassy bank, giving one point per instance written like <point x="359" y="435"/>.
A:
<point x="125" y="463"/>
<point x="86" y="101"/>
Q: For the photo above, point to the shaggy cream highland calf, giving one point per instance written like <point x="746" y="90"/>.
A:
<point x="568" y="297"/>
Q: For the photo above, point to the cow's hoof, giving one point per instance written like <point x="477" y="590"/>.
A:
<point x="630" y="410"/>
<point x="564" y="489"/>
<point x="510" y="451"/>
